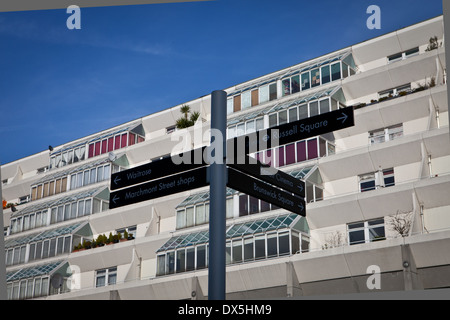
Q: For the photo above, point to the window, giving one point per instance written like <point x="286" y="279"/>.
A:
<point x="305" y="81"/>
<point x="325" y="74"/>
<point x="403" y="55"/>
<point x="387" y="134"/>
<point x="315" y="78"/>
<point x="368" y="231"/>
<point x="105" y="277"/>
<point x="291" y="85"/>
<point x="375" y="180"/>
<point x="336" y="71"/>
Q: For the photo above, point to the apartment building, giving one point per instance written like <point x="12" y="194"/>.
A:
<point x="376" y="193"/>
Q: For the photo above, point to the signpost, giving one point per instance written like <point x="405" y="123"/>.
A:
<point x="264" y="191"/>
<point x="189" y="171"/>
<point x="184" y="181"/>
<point x="157" y="169"/>
<point x="291" y="132"/>
<point x="270" y="175"/>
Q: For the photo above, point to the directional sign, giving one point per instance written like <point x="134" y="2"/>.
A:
<point x="290" y="132"/>
<point x="261" y="190"/>
<point x="159" y="168"/>
<point x="184" y="181"/>
<point x="270" y="175"/>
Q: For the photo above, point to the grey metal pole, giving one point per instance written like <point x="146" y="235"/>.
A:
<point x="217" y="206"/>
<point x="2" y="248"/>
<point x="446" y="11"/>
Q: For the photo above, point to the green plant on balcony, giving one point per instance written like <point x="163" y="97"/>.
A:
<point x="187" y="120"/>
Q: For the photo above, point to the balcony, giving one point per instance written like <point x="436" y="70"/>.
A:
<point x="431" y="192"/>
<point x="401" y="151"/>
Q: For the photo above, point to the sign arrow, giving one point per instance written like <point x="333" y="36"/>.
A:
<point x="115" y="199"/>
<point x="116" y="180"/>
<point x="344" y="117"/>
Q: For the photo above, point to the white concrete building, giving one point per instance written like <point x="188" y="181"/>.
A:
<point x="393" y="164"/>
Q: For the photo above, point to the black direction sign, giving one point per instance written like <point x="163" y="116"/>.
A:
<point x="181" y="182"/>
<point x="261" y="190"/>
<point x="290" y="132"/>
<point x="270" y="175"/>
<point x="157" y="169"/>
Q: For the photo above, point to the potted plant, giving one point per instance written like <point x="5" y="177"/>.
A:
<point x="101" y="240"/>
<point x="78" y="247"/>
<point x="115" y="238"/>
<point x="109" y="240"/>
<point x="87" y="244"/>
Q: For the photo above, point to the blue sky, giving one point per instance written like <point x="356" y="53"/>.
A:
<point x="58" y="85"/>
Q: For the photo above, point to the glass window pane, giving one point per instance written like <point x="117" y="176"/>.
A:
<point x="100" y="174"/>
<point x="181" y="260"/>
<point x="248" y="249"/>
<point x="39" y="250"/>
<point x="190" y="217"/>
<point x="324" y="106"/>
<point x="305" y="81"/>
<point x="66" y="212"/>
<point x="124" y="140"/>
<point x="246" y="100"/>
<point x="181" y="219"/>
<point x="80" y="208"/>
<point x="336" y="71"/>
<point x="201" y="257"/>
<point x="259" y="124"/>
<point x="88" y="207"/>
<point x="280" y="158"/>
<point x="312" y="149"/>
<point x="356" y="237"/>
<point x="190" y="259"/>
<point x="301" y="151"/>
<point x="60" y="245"/>
<point x="161" y="265"/>
<point x="260" y="247"/>
<point x="295" y="84"/>
<point x="292" y="114"/>
<point x="73" y="210"/>
<point x="283" y="242"/>
<point x="313" y="109"/>
<point x="90" y="152"/>
<point x="303" y="111"/>
<point x="93" y="176"/>
<point x="229" y="106"/>
<point x="265" y="206"/>
<point x="200" y="217"/>
<point x="273" y="121"/>
<point x="237" y="251"/>
<point x="67" y="244"/>
<point x="290" y="154"/>
<point x="282" y="117"/>
<point x="286" y="87"/>
<point x="230" y="209"/>
<point x="272" y="91"/>
<point x="376" y="233"/>
<point x="325" y="74"/>
<point x="250" y="126"/>
<point x="254" y="205"/>
<point x="170" y="267"/>
<point x="228" y="253"/>
<point x="264" y="94"/>
<point x="295" y="242"/>
<point x="367" y="185"/>
<point x="315" y="77"/>
<point x="272" y="245"/>
<point x="45" y="249"/>
<point x="243" y="205"/>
